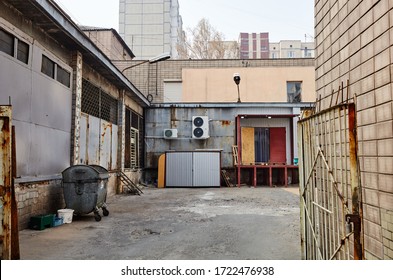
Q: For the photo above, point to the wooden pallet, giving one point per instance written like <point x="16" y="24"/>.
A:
<point x="226" y="178"/>
<point x="235" y="155"/>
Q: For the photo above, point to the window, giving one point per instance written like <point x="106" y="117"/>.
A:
<point x="133" y="140"/>
<point x="8" y="43"/>
<point x="23" y="52"/>
<point x="48" y="67"/>
<point x="291" y="54"/>
<point x="294" y="92"/>
<point x="51" y="69"/>
<point x="63" y="76"/>
<point x="98" y="103"/>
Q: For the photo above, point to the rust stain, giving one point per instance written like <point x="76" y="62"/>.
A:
<point x="353" y="157"/>
<point x="173" y="114"/>
<point x="105" y="127"/>
<point x="225" y="123"/>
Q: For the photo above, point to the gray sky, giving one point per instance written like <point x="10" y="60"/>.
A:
<point x="283" y="19"/>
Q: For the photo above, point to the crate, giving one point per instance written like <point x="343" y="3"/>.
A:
<point x="41" y="222"/>
<point x="57" y="221"/>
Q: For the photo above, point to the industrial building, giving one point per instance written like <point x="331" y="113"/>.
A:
<point x="70" y="105"/>
<point x="250" y="119"/>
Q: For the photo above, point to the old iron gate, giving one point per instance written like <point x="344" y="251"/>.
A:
<point x="330" y="200"/>
<point x="5" y="180"/>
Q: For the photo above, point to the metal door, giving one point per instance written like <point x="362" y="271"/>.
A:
<point x="278" y="153"/>
<point x="330" y="185"/>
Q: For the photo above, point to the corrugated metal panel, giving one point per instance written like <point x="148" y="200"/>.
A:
<point x="115" y="142"/>
<point x="206" y="169"/>
<point x="178" y="169"/>
<point x="93" y="143"/>
<point x="106" y="144"/>
<point x="83" y="139"/>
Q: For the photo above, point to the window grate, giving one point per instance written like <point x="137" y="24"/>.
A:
<point x="98" y="103"/>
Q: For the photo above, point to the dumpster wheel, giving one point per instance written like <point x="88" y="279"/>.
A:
<point x="97" y="216"/>
<point x="105" y="212"/>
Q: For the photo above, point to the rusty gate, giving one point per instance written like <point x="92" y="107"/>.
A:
<point x="330" y="195"/>
<point x="5" y="180"/>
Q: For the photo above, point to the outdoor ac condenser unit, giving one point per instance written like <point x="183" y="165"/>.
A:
<point x="200" y="127"/>
<point x="170" y="133"/>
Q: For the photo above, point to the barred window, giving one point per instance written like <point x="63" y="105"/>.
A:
<point x="133" y="140"/>
<point x="98" y="103"/>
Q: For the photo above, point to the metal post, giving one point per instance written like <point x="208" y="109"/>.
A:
<point x="5" y="177"/>
<point x="355" y="186"/>
<point x="238" y="94"/>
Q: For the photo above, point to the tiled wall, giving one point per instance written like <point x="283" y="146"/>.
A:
<point x="354" y="56"/>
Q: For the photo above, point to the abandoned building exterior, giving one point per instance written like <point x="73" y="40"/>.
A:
<point x="70" y="104"/>
<point x="348" y="163"/>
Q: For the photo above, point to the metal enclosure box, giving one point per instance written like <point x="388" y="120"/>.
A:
<point x="193" y="169"/>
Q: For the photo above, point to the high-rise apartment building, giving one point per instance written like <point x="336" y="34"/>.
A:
<point x="254" y="45"/>
<point x="150" y="27"/>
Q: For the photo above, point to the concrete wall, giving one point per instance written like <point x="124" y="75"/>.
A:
<point x="256" y="85"/>
<point x="354" y="48"/>
<point x="222" y="128"/>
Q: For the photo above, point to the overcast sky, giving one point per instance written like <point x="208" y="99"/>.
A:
<point x="283" y="19"/>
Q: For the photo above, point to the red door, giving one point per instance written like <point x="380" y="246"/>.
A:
<point x="278" y="145"/>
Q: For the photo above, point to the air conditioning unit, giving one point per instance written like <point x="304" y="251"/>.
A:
<point x="200" y="127"/>
<point x="170" y="133"/>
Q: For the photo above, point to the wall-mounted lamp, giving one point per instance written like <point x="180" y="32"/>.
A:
<point x="236" y="78"/>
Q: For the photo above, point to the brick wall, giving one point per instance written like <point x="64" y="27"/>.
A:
<point x="354" y="53"/>
<point x="39" y="198"/>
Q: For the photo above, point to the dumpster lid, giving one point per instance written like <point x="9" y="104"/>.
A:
<point x="82" y="172"/>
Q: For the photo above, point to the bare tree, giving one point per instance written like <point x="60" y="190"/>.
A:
<point x="205" y="42"/>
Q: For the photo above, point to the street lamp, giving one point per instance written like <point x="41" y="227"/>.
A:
<point x="156" y="59"/>
<point x="236" y="78"/>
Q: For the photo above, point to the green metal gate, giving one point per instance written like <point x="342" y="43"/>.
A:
<point x="330" y="199"/>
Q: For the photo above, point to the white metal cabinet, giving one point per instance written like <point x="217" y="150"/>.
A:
<point x="193" y="169"/>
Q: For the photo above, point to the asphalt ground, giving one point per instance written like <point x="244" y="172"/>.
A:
<point x="178" y="224"/>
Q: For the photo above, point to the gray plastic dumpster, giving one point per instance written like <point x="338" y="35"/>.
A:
<point x="85" y="189"/>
